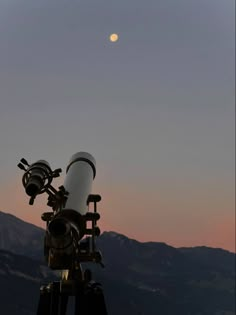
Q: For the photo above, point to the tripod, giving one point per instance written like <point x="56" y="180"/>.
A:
<point x="89" y="299"/>
<point x="88" y="295"/>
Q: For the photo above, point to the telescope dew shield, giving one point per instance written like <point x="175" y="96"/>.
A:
<point x="81" y="171"/>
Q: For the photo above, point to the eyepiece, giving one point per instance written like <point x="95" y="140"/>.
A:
<point x="34" y="186"/>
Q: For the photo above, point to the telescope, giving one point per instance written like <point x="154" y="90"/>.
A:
<point x="68" y="240"/>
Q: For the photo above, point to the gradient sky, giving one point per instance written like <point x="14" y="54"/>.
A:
<point x="156" y="109"/>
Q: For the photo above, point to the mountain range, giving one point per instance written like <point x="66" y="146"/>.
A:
<point x="138" y="278"/>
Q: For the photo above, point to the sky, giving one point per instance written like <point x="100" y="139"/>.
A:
<point x="156" y="109"/>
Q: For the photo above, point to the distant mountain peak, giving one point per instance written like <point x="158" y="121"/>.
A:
<point x="10" y="218"/>
<point x="123" y="238"/>
<point x="114" y="235"/>
<point x="148" y="276"/>
<point x="20" y="237"/>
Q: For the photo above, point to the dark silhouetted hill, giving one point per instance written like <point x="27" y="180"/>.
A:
<point x="20" y="237"/>
<point x="139" y="278"/>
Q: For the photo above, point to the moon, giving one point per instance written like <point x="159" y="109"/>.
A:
<point x="114" y="37"/>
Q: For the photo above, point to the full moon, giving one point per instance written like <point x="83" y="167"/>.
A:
<point x="114" y="37"/>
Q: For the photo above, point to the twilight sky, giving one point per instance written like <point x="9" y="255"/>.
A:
<point x="156" y="109"/>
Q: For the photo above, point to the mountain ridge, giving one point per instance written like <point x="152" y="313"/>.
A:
<point x="12" y="218"/>
<point x="139" y="277"/>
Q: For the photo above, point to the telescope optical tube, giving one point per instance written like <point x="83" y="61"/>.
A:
<point x="69" y="224"/>
<point x="81" y="171"/>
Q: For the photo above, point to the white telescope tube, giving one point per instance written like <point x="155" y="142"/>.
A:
<point x="81" y="171"/>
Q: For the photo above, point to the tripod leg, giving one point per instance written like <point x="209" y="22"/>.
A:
<point x="63" y="304"/>
<point x="90" y="301"/>
<point x="80" y="302"/>
<point x="44" y="302"/>
<point x="55" y="298"/>
<point x="98" y="305"/>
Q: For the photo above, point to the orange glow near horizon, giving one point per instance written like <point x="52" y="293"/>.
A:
<point x="126" y="216"/>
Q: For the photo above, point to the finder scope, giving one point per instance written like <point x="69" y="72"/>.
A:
<point x="36" y="178"/>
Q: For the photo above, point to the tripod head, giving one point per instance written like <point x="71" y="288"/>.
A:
<point x="68" y="240"/>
